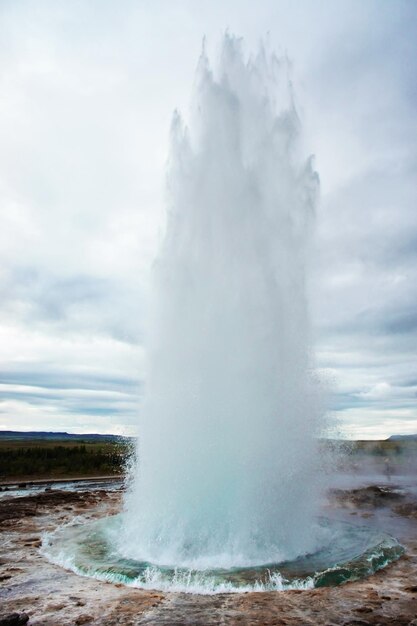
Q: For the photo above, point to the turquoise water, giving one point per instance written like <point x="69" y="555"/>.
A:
<point x="351" y="552"/>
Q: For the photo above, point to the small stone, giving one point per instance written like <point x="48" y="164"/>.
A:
<point x="83" y="619"/>
<point x="14" y="619"/>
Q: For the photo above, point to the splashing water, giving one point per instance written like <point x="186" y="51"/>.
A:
<point x="228" y="470"/>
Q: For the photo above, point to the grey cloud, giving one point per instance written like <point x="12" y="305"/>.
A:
<point x="88" y="92"/>
<point x="406" y="323"/>
<point x="51" y="378"/>
<point x="71" y="302"/>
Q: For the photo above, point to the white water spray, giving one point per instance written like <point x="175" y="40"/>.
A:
<point x="228" y="470"/>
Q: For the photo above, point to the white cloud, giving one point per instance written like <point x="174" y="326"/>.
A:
<point x="19" y="415"/>
<point x="368" y="423"/>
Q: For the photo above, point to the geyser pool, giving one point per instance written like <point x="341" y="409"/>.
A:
<point x="225" y="494"/>
<point x="350" y="552"/>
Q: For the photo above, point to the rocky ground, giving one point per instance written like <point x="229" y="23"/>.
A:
<point x="35" y="592"/>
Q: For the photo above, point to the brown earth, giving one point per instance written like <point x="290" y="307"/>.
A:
<point x="52" y="596"/>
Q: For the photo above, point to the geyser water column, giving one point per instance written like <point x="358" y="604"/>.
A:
<point x="227" y="470"/>
<point x="224" y="497"/>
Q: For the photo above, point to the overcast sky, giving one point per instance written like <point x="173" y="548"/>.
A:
<point x="88" y="88"/>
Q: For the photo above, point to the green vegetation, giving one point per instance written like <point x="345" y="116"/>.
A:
<point x="388" y="447"/>
<point x="388" y="457"/>
<point x="33" y="459"/>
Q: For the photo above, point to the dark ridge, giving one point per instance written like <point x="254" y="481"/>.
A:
<point x="12" y="435"/>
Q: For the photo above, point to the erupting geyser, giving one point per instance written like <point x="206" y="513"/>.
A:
<point x="225" y="494"/>
<point x="227" y="471"/>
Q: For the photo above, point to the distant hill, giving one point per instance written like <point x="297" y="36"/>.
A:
<point x="402" y="438"/>
<point x="12" y="435"/>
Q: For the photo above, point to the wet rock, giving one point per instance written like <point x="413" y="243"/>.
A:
<point x="83" y="619"/>
<point x="32" y="506"/>
<point x="372" y="496"/>
<point x="54" y="607"/>
<point x="78" y="601"/>
<point x="14" y="619"/>
<point x="408" y="509"/>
